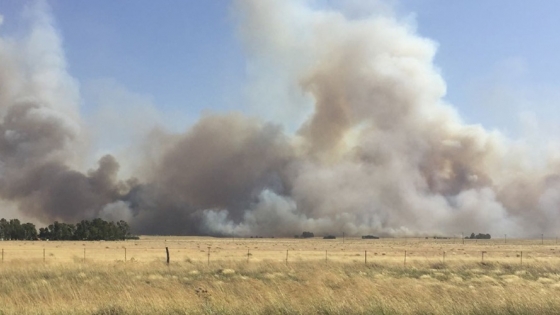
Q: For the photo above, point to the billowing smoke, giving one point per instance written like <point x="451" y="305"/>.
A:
<point x="359" y="140"/>
<point x="41" y="132"/>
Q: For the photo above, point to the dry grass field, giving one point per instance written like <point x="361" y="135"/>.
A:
<point x="54" y="278"/>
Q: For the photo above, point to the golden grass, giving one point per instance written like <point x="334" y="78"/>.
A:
<point x="150" y="249"/>
<point x="64" y="284"/>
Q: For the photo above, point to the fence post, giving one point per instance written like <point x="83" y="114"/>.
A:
<point x="167" y="252"/>
<point x="125" y="254"/>
<point x="2" y="255"/>
<point x="84" y="255"/>
<point x="444" y="257"/>
<point x="326" y="260"/>
<point x="405" y="258"/>
<point x="43" y="255"/>
<point x="248" y="253"/>
<point x="365" y="257"/>
<point x="286" y="257"/>
<point x="208" y="256"/>
<point x="483" y="256"/>
<point x="521" y="258"/>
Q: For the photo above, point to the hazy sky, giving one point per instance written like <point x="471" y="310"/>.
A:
<point x="499" y="58"/>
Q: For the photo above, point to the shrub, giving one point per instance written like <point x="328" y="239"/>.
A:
<point x="370" y="237"/>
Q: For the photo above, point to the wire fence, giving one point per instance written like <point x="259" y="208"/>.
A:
<point x="346" y="250"/>
<point x="209" y="255"/>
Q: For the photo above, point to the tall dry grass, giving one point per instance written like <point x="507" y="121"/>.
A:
<point x="270" y="287"/>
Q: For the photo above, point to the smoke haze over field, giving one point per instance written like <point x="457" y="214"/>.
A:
<point x="360" y="140"/>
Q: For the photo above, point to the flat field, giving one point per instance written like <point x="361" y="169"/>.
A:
<point x="281" y="276"/>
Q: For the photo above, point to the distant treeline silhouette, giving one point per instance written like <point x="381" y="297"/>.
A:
<point x="94" y="230"/>
<point x="479" y="236"/>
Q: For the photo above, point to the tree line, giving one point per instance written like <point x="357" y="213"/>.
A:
<point x="94" y="230"/>
<point x="479" y="236"/>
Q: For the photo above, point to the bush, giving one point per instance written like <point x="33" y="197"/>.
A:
<point x="479" y="236"/>
<point x="370" y="237"/>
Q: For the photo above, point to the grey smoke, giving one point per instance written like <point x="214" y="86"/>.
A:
<point x="378" y="150"/>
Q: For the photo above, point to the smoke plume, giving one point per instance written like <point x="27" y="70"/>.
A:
<point x="375" y="148"/>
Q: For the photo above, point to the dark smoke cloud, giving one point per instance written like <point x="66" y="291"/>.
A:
<point x="223" y="162"/>
<point x="34" y="172"/>
<point x="378" y="151"/>
<point x="40" y="132"/>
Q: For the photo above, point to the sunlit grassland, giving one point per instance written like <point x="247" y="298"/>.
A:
<point x="342" y="284"/>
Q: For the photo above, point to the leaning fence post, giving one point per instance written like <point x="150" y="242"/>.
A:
<point x="167" y="252"/>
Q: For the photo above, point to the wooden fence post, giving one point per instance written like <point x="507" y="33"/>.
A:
<point x="43" y="255"/>
<point x="405" y="258"/>
<point x="167" y="252"/>
<point x="248" y="253"/>
<point x="2" y="255"/>
<point x="84" y="255"/>
<point x="125" y="254"/>
<point x="286" y="257"/>
<point x="208" y="256"/>
<point x="444" y="257"/>
<point x="365" y="257"/>
<point x="521" y="258"/>
<point x="326" y="260"/>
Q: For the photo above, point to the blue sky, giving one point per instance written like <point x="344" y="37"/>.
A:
<point x="499" y="58"/>
<point x="503" y="48"/>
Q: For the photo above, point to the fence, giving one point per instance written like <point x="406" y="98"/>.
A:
<point x="348" y="250"/>
<point x="208" y="255"/>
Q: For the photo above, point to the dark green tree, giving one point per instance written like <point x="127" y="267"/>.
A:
<point x="4" y="229"/>
<point x="29" y="231"/>
<point x="97" y="229"/>
<point x="16" y="230"/>
<point x="124" y="230"/>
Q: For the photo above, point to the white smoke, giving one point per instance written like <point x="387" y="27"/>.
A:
<point x="116" y="211"/>
<point x="351" y="135"/>
<point x="382" y="152"/>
